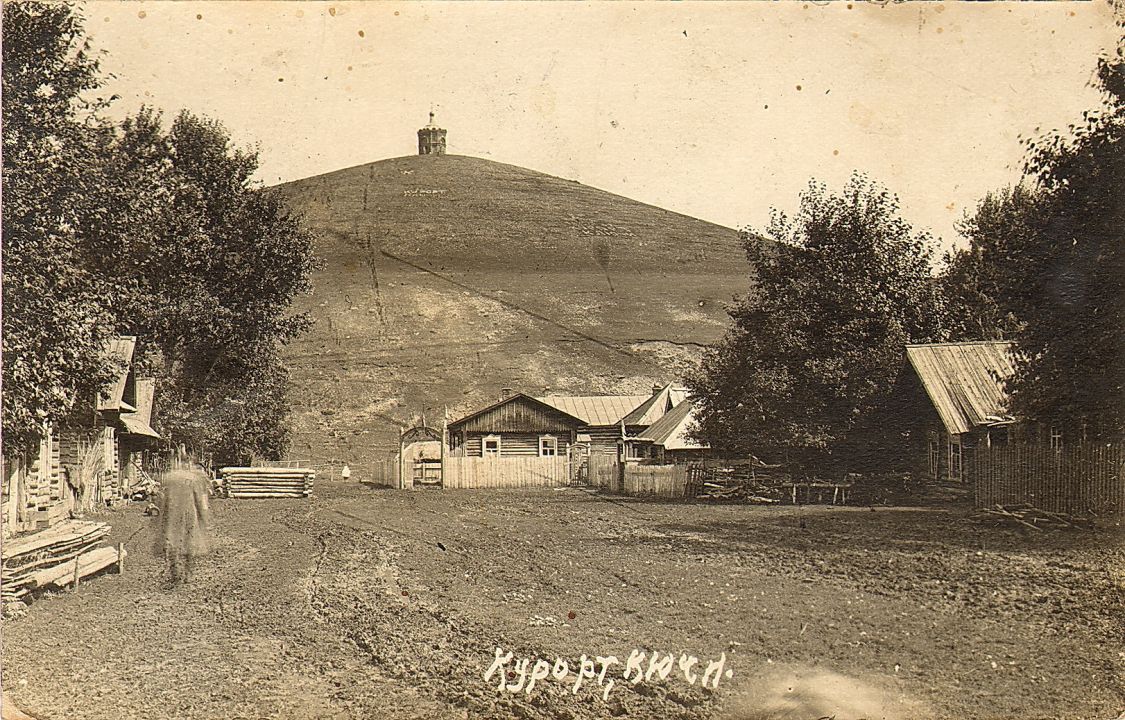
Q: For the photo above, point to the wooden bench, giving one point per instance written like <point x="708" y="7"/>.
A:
<point x="839" y="490"/>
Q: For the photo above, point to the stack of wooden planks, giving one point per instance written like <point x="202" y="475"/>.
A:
<point x="266" y="482"/>
<point x="59" y="555"/>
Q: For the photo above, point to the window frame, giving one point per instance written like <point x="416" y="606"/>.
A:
<point x="956" y="460"/>
<point x="554" y="446"/>
<point x="933" y="454"/>
<point x="485" y="452"/>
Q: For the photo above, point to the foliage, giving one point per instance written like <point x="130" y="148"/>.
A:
<point x="141" y="230"/>
<point x="56" y="319"/>
<point x="1071" y="296"/>
<point x="1046" y="267"/>
<point x="975" y="281"/>
<point x="817" y="344"/>
<point x="213" y="278"/>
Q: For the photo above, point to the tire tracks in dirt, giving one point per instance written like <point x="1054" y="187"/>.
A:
<point x="428" y="648"/>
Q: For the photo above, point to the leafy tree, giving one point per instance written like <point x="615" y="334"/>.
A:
<point x="817" y="343"/>
<point x="213" y="279"/>
<point x="56" y="319"/>
<point x="1045" y="267"/>
<point x="976" y="282"/>
<point x="137" y="230"/>
<point x="1067" y="282"/>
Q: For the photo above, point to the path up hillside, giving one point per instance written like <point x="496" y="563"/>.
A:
<point x="447" y="278"/>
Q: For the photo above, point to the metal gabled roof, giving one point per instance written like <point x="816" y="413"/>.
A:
<point x="654" y="408"/>
<point x="595" y="409"/>
<point x="964" y="381"/>
<point x="671" y="431"/>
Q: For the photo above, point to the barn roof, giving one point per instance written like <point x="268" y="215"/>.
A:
<point x="964" y="381"/>
<point x="121" y="350"/>
<point x="656" y="406"/>
<point x="671" y="431"/>
<point x="595" y="409"/>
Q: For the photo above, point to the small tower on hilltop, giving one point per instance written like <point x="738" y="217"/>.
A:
<point x="431" y="139"/>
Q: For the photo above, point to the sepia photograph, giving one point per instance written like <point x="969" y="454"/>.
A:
<point x="562" y="360"/>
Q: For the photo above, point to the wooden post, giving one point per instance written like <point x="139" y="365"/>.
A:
<point x="444" y="440"/>
<point x="120" y="558"/>
<point x="402" y="461"/>
<point x="77" y="578"/>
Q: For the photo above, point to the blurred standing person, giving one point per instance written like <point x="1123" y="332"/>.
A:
<point x="185" y="521"/>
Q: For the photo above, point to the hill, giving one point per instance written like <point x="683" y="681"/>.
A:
<point x="447" y="278"/>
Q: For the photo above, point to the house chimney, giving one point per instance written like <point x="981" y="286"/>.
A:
<point x="505" y="393"/>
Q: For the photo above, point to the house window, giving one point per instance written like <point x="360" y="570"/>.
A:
<point x="490" y="446"/>
<point x="955" y="460"/>
<point x="548" y="446"/>
<point x="934" y="455"/>
<point x="999" y="437"/>
<point x="1056" y="439"/>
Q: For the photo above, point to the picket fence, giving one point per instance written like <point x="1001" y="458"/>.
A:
<point x="604" y="472"/>
<point x="1080" y="479"/>
<point x="665" y="481"/>
<point x="505" y="472"/>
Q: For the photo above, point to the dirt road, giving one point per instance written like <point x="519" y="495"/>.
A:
<point x="367" y="604"/>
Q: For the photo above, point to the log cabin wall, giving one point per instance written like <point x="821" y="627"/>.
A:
<point x="33" y="495"/>
<point x="604" y="439"/>
<point x="516" y="444"/>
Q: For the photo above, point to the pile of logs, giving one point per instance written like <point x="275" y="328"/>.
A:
<point x="746" y="481"/>
<point x="741" y="492"/>
<point x="61" y="555"/>
<point x="1031" y="516"/>
<point x="266" y="482"/>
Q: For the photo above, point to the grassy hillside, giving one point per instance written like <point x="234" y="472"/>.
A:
<point x="448" y="278"/>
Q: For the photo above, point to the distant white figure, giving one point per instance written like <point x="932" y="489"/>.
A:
<point x="346" y="472"/>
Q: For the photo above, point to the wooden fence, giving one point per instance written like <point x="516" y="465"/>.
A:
<point x="666" y="481"/>
<point x="384" y="471"/>
<point x="605" y="472"/>
<point x="1079" y="479"/>
<point x="505" y="472"/>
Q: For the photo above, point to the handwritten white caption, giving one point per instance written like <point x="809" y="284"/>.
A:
<point x="659" y="667"/>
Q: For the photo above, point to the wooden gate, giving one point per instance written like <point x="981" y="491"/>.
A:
<point x="427" y="473"/>
<point x="579" y="458"/>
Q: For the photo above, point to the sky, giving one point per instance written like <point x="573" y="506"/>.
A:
<point x="717" y="110"/>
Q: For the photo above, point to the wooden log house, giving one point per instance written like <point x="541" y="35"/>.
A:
<point x="80" y="466"/>
<point x="948" y="399"/>
<point x="526" y="426"/>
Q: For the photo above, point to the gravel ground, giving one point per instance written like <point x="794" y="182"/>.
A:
<point x="364" y="603"/>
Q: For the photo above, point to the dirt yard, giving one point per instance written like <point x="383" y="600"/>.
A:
<point x="368" y="603"/>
